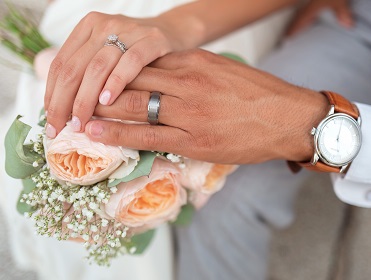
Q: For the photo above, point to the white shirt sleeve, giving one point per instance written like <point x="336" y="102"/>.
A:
<point x="355" y="187"/>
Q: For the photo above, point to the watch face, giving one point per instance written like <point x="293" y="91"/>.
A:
<point x="339" y="139"/>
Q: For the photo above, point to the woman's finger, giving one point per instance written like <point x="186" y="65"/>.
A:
<point x="129" y="66"/>
<point x="132" y="105"/>
<point x="95" y="76"/>
<point x="79" y="36"/>
<point x="139" y="136"/>
<point x="66" y="87"/>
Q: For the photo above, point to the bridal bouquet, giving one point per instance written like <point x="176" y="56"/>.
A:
<point x="109" y="198"/>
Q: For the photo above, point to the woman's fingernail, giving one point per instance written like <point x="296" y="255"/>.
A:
<point x="46" y="114"/>
<point x="76" y="123"/>
<point x="95" y="129"/>
<point x="50" y="131"/>
<point x="105" y="97"/>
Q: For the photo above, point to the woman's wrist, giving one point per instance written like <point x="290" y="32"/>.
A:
<point x="183" y="31"/>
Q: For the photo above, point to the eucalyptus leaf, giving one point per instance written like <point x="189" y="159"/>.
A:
<point x="19" y="158"/>
<point x="42" y="118"/>
<point x="233" y="56"/>
<point x="139" y="241"/>
<point x="28" y="186"/>
<point x="143" y="168"/>
<point x="185" y="216"/>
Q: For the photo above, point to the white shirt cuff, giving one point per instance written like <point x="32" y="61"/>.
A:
<point x="355" y="187"/>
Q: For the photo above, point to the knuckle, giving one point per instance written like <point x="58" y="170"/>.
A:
<point x="150" y="138"/>
<point x="117" y="133"/>
<point x="110" y="24"/>
<point x="97" y="66"/>
<point x="67" y="75"/>
<point x="206" y="142"/>
<point x="156" y="33"/>
<point x="135" y="103"/>
<point x="55" y="67"/>
<point x="117" y="80"/>
<point x="197" y="56"/>
<point x="52" y="112"/>
<point x="193" y="79"/>
<point x="135" y="56"/>
<point x="91" y="17"/>
<point x="80" y="105"/>
<point x="194" y="108"/>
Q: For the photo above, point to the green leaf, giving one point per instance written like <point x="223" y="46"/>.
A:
<point x="22" y="207"/>
<point x="139" y="241"/>
<point x="19" y="158"/>
<point x="185" y="216"/>
<point x="42" y="118"/>
<point x="142" y="169"/>
<point x="233" y="56"/>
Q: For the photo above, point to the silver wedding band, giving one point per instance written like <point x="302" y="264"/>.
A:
<point x="154" y="107"/>
<point x="113" y="40"/>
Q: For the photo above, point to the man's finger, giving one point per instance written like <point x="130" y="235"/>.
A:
<point x="345" y="16"/>
<point x="303" y="19"/>
<point x="173" y="61"/>
<point x="138" y="136"/>
<point x="132" y="105"/>
<point x="154" y="79"/>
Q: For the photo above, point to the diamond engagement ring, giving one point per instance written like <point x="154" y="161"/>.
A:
<point x="113" y="40"/>
<point x="154" y="107"/>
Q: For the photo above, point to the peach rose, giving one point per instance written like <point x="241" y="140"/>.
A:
<point x="147" y="202"/>
<point x="74" y="158"/>
<point x="205" y="177"/>
<point x="198" y="199"/>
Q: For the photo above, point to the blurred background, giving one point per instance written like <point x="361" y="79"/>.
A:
<point x="328" y="241"/>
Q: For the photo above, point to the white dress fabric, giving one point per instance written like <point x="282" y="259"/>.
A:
<point x="56" y="260"/>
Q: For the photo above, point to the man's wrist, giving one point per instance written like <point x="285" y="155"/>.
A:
<point x="308" y="108"/>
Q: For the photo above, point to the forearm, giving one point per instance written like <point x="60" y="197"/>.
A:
<point x="202" y="21"/>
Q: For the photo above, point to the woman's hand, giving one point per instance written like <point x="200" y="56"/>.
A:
<point x="310" y="12"/>
<point x="86" y="71"/>
<point x="213" y="109"/>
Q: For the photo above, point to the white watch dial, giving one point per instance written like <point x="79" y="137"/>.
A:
<point x="339" y="139"/>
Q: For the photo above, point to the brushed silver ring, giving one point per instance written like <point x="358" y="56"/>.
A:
<point x="154" y="107"/>
<point x="113" y="40"/>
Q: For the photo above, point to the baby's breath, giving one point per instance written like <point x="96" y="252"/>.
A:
<point x="66" y="211"/>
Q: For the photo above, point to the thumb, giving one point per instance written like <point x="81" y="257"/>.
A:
<point x="302" y="20"/>
<point x="345" y="16"/>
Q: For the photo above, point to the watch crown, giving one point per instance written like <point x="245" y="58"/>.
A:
<point x="313" y="131"/>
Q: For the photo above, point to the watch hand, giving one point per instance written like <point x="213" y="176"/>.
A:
<point x="341" y="125"/>
<point x="337" y="138"/>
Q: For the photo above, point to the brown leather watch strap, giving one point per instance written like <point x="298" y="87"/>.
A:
<point x="295" y="167"/>
<point x="321" y="167"/>
<point x="342" y="105"/>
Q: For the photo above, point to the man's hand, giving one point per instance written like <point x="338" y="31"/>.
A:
<point x="213" y="109"/>
<point x="309" y="13"/>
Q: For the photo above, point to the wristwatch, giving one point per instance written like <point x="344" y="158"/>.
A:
<point x="337" y="138"/>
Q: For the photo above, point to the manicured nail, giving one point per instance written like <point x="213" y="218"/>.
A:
<point x="76" y="123"/>
<point x="46" y="114"/>
<point x="50" y="131"/>
<point x="95" y="129"/>
<point x="105" y="97"/>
